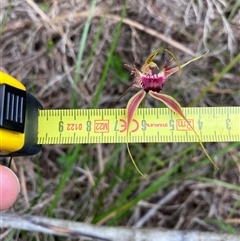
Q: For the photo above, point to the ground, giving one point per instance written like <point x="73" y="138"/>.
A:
<point x="42" y="45"/>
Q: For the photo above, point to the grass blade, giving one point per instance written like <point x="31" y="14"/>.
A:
<point x="105" y="71"/>
<point x="81" y="50"/>
<point x="216" y="80"/>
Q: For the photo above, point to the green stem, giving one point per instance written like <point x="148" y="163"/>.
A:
<point x="81" y="50"/>
<point x="105" y="71"/>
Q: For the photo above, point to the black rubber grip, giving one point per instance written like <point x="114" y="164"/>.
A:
<point x="12" y="108"/>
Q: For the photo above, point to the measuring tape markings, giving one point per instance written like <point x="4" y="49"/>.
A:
<point x="214" y="124"/>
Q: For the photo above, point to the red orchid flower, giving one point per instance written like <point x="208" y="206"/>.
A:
<point x="151" y="83"/>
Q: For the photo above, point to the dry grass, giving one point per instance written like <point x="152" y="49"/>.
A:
<point x="39" y="46"/>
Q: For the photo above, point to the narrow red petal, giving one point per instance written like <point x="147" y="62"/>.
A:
<point x="169" y="71"/>
<point x="134" y="84"/>
<point x="136" y="73"/>
<point x="133" y="104"/>
<point x="176" y="107"/>
<point x="169" y="101"/>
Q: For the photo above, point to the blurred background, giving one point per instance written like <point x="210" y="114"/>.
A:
<point x="71" y="54"/>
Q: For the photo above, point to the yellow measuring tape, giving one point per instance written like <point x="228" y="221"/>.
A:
<point x="213" y="124"/>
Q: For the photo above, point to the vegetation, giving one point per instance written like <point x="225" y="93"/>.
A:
<point x="72" y="54"/>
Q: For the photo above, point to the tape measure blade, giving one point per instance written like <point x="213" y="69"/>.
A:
<point x="72" y="126"/>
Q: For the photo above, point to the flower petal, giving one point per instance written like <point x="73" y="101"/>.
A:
<point x="169" y="71"/>
<point x="176" y="107"/>
<point x="134" y="84"/>
<point x="136" y="73"/>
<point x="169" y="101"/>
<point x="133" y="104"/>
<point x="148" y="62"/>
<point x="176" y="60"/>
<point x="194" y="59"/>
<point x="131" y="108"/>
<point x="149" y="65"/>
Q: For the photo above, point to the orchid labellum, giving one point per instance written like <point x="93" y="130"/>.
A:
<point x="152" y="83"/>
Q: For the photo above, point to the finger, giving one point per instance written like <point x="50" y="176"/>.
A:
<point x="9" y="188"/>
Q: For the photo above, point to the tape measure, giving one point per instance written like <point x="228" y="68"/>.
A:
<point x="25" y="126"/>
<point x="213" y="124"/>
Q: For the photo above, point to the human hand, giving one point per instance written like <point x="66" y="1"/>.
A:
<point x="9" y="188"/>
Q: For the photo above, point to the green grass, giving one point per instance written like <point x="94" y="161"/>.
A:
<point x="225" y="70"/>
<point x="82" y="45"/>
<point x="71" y="159"/>
<point x="149" y="159"/>
<point x="4" y="20"/>
<point x="109" y="59"/>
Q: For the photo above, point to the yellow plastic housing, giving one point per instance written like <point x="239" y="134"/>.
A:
<point x="10" y="141"/>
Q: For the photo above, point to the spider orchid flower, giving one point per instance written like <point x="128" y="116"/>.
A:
<point x="151" y="83"/>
